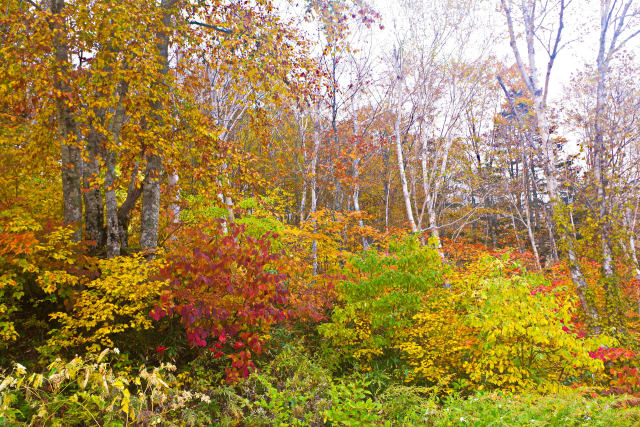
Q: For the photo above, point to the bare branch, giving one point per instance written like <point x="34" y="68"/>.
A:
<point x="213" y="27"/>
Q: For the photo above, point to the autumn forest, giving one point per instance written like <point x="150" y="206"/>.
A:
<point x="319" y="212"/>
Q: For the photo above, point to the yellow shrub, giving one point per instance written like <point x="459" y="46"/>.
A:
<point x="527" y="341"/>
<point x="119" y="300"/>
<point x="436" y="343"/>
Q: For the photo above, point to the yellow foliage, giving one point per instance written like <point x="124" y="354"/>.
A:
<point x="526" y="340"/>
<point x="119" y="300"/>
<point x="30" y="257"/>
<point x="436" y="342"/>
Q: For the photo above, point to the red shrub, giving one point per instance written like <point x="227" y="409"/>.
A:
<point x="228" y="291"/>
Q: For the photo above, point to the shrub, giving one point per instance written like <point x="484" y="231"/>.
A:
<point x="88" y="392"/>
<point x="118" y="300"/>
<point x="525" y="336"/>
<point x="35" y="266"/>
<point x="569" y="408"/>
<point x="438" y="342"/>
<point x="379" y="301"/>
<point x="227" y="291"/>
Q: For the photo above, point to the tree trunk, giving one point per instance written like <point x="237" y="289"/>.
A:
<point x="356" y="198"/>
<point x="150" y="216"/>
<point x="599" y="175"/>
<point x="111" y="206"/>
<point x="387" y="190"/>
<point x="71" y="153"/>
<point x="175" y="205"/>
<point x="515" y="233"/>
<point x="303" y="202"/>
<point x="314" y="181"/>
<point x="93" y="206"/>
<point x="124" y="211"/>
<point x="531" y="80"/>
<point x="401" y="169"/>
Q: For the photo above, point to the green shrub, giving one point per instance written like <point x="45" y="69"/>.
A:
<point x="378" y="301"/>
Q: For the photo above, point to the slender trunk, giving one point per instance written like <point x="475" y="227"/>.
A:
<point x="356" y="198"/>
<point x="532" y="240"/>
<point x="553" y="247"/>
<point x="355" y="168"/>
<point x="526" y="187"/>
<point x="314" y="182"/>
<point x="224" y="220"/>
<point x="387" y="191"/>
<point x="303" y="202"/>
<point x="401" y="169"/>
<point x="631" y="226"/>
<point x="515" y="234"/>
<point x="304" y="171"/>
<point x="599" y="175"/>
<point x="175" y="189"/>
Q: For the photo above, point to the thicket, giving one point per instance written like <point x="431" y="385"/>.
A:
<point x="229" y="326"/>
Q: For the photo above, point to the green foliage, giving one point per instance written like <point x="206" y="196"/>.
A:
<point x="200" y="210"/>
<point x="569" y="408"/>
<point x="352" y="405"/>
<point x="379" y="300"/>
<point x="295" y="390"/>
<point x="408" y="405"/>
<point x="290" y="390"/>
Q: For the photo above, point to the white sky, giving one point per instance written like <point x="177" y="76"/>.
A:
<point x="580" y="31"/>
<point x="581" y="27"/>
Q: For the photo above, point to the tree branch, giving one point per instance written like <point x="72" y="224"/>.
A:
<point x="32" y="3"/>
<point x="514" y="47"/>
<point x="213" y="27"/>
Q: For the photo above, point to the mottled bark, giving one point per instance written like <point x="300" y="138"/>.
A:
<point x="93" y="206"/>
<point x="71" y="153"/>
<point x="150" y="216"/>
<point x="173" y="180"/>
<point x="113" y="232"/>
<point x="111" y="207"/>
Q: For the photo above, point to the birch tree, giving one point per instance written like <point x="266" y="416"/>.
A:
<point x="531" y="16"/>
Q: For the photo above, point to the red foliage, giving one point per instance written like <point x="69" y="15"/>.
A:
<point x="228" y="291"/>
<point x="623" y="377"/>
